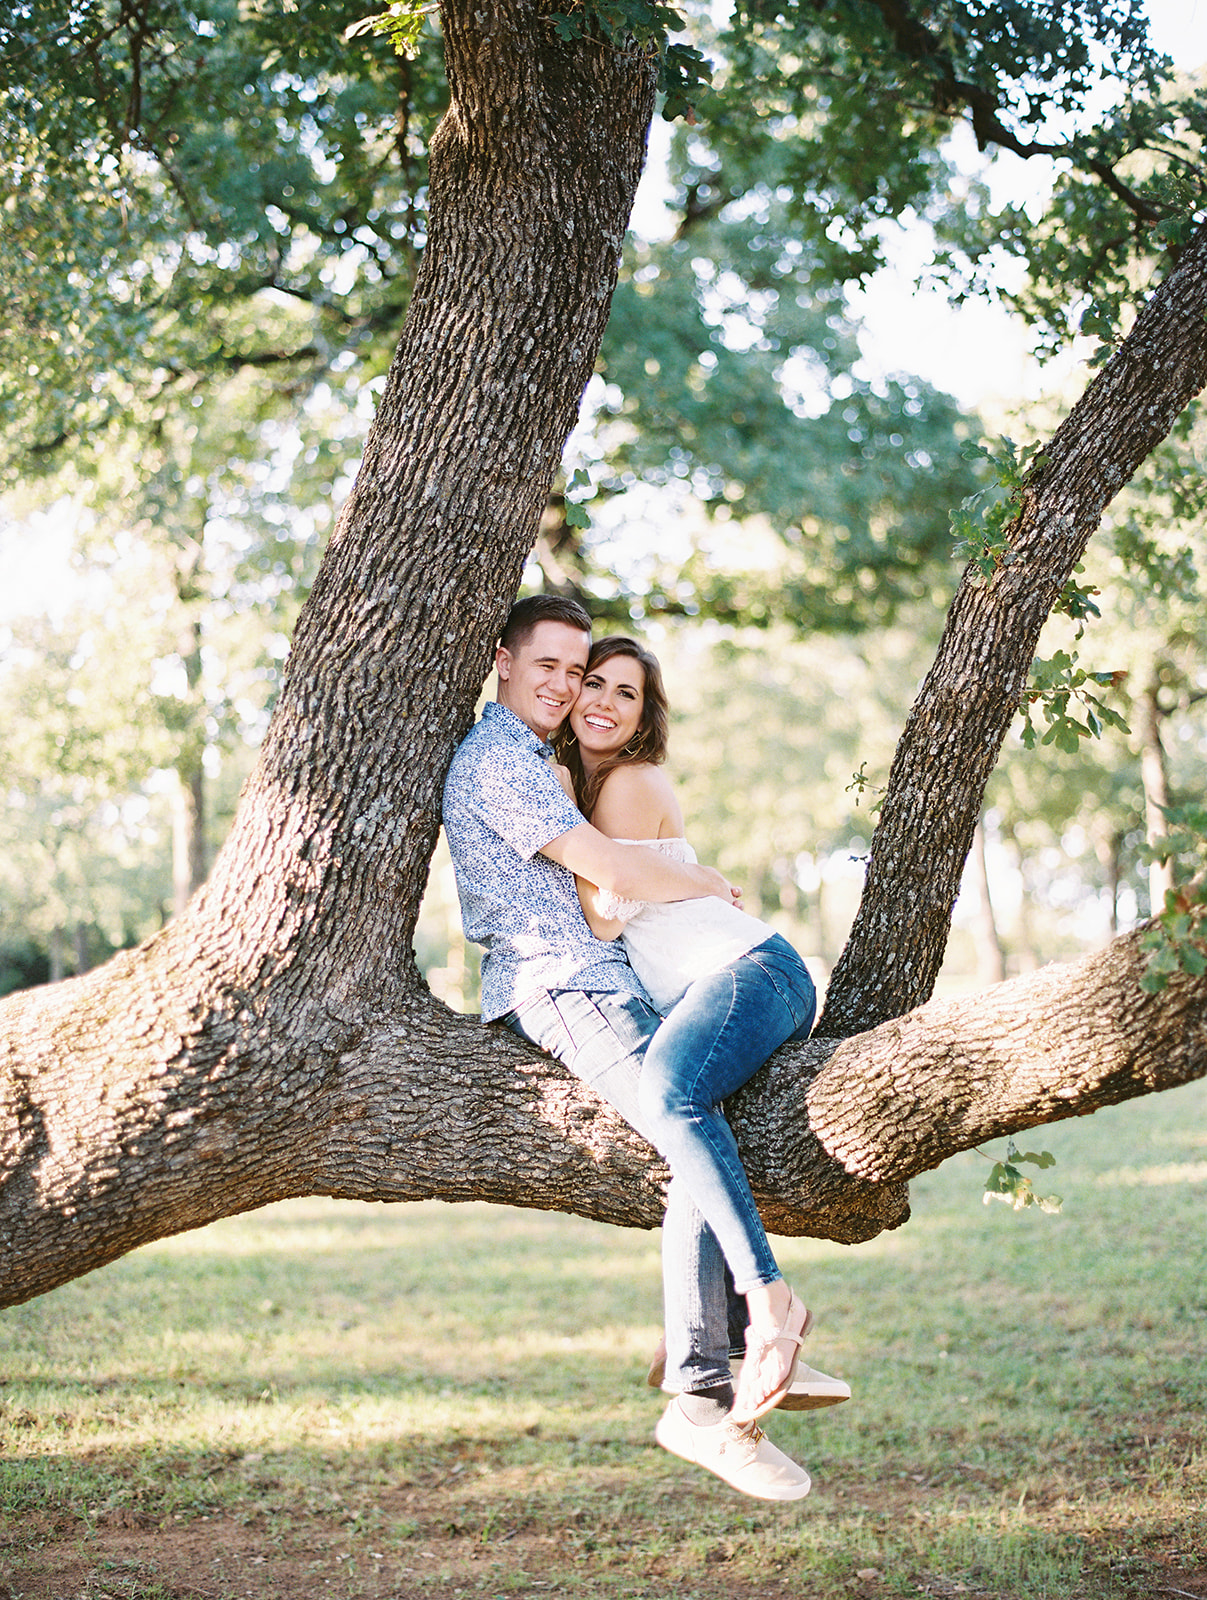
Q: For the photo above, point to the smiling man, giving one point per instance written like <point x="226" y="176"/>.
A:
<point x="517" y="842"/>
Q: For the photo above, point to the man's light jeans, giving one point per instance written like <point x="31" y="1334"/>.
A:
<point x="668" y="1080"/>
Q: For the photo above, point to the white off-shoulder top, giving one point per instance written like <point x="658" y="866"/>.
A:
<point x="672" y="944"/>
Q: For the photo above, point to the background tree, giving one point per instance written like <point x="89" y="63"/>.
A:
<point x="80" y="734"/>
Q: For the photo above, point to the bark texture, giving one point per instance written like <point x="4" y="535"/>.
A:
<point x="954" y="732"/>
<point x="1061" y="1042"/>
<point x="428" y="1105"/>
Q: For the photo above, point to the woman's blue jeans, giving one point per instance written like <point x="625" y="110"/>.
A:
<point x="667" y="1078"/>
<point x="713" y="1041"/>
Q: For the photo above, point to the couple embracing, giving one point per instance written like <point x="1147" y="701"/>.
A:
<point x="609" y="946"/>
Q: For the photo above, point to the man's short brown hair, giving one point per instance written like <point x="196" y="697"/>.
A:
<point x="535" y="608"/>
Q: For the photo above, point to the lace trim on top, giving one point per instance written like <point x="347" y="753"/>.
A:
<point x="614" y="906"/>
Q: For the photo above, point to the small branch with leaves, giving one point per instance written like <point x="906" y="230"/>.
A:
<point x="642" y="25"/>
<point x="1057" y="686"/>
<point x="982" y="523"/>
<point x="1008" y="1184"/>
<point x="1177" y="939"/>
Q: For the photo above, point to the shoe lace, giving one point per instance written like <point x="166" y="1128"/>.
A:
<point x="743" y="1437"/>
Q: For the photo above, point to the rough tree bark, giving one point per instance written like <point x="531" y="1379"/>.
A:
<point x="277" y="1040"/>
<point x="236" y="1056"/>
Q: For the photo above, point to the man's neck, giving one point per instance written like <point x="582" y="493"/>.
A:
<point x="545" y="738"/>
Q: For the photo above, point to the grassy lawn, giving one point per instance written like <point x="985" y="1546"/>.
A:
<point x="334" y="1399"/>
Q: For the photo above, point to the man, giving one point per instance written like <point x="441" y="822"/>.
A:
<point x="517" y="843"/>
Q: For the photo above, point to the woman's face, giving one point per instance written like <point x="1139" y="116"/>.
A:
<point x="607" y="713"/>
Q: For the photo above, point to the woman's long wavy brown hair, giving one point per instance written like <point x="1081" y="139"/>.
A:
<point x="650" y="741"/>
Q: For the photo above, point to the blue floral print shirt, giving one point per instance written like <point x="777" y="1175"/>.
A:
<point x="502" y="805"/>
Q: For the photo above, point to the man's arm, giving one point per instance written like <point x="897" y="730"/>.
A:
<point x="634" y="872"/>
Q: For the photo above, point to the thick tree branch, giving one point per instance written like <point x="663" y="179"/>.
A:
<point x="423" y="1104"/>
<point x="185" y="1080"/>
<point x="954" y="733"/>
<point x="1061" y="1042"/>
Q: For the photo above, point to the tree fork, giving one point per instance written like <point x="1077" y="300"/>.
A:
<point x="277" y="1040"/>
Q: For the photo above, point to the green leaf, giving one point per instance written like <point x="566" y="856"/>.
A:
<point x="1193" y="960"/>
<point x="1042" y="1158"/>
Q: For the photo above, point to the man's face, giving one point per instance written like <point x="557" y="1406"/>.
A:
<point x="540" y="680"/>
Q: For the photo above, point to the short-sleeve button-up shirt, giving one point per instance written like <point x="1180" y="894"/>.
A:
<point x="502" y="805"/>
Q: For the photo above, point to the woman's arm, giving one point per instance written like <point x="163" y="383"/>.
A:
<point x="562" y="774"/>
<point x="602" y="927"/>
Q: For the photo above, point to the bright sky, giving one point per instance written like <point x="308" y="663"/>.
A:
<point x="976" y="351"/>
<point x="1179" y="27"/>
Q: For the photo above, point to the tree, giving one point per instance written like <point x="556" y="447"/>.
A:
<point x="79" y="734"/>
<point x="200" y="254"/>
<point x="277" y="1039"/>
<point x="185" y="186"/>
<point x="162" y="662"/>
<point x="197" y="185"/>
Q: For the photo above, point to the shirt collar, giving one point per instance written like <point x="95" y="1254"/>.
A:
<point x="506" y="721"/>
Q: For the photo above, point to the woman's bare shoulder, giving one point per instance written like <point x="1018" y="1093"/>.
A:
<point x="637" y="802"/>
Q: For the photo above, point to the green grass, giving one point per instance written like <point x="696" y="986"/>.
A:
<point x="396" y="1398"/>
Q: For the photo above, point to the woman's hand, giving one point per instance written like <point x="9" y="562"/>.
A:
<point x="562" y="774"/>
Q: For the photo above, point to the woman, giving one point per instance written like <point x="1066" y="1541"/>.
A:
<point x="732" y="990"/>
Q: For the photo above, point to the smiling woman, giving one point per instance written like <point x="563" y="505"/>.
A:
<point x="731" y="991"/>
<point x="620" y="718"/>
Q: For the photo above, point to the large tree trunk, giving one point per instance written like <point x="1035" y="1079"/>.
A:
<point x="954" y="732"/>
<point x="277" y="1040"/>
<point x="214" y="1069"/>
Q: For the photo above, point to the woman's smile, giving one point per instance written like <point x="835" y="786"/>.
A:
<point x="607" y="713"/>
